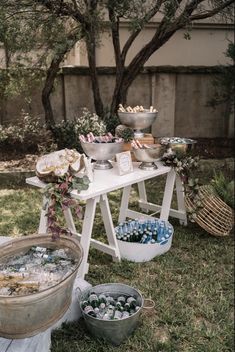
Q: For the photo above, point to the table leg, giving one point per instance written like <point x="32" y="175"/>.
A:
<point x="124" y="203"/>
<point x="69" y="220"/>
<point x="168" y="193"/>
<point x="180" y="199"/>
<point x="142" y="195"/>
<point x="86" y="233"/>
<point x="108" y="224"/>
<point x="43" y="223"/>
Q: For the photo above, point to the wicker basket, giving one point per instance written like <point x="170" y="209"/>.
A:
<point x="215" y="216"/>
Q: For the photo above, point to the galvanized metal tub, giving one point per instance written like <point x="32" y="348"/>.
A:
<point x="113" y="331"/>
<point x="27" y="315"/>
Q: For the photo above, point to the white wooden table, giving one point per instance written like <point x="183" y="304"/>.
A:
<point x="104" y="182"/>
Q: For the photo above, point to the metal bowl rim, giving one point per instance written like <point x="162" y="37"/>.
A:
<point x="152" y="147"/>
<point x="186" y="141"/>
<point x="146" y="111"/>
<point x="121" y="142"/>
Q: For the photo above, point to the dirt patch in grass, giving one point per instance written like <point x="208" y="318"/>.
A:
<point x="22" y="162"/>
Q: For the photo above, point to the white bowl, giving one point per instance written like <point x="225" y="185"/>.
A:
<point x="143" y="252"/>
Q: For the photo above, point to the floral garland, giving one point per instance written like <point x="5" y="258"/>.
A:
<point x="58" y="195"/>
<point x="183" y="166"/>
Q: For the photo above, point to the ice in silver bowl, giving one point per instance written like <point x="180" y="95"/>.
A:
<point x="149" y="155"/>
<point x="137" y="120"/>
<point x="102" y="152"/>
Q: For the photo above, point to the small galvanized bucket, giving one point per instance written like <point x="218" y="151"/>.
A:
<point x="113" y="331"/>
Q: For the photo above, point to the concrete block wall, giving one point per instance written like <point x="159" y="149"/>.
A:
<point x="181" y="95"/>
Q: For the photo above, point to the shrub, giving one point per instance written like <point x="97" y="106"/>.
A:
<point x="26" y="136"/>
<point x="126" y="133"/>
<point x="111" y="121"/>
<point x="67" y="133"/>
<point x="224" y="188"/>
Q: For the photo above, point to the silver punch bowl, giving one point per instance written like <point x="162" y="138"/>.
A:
<point x="137" y="120"/>
<point x="148" y="156"/>
<point x="178" y="145"/>
<point x="102" y="153"/>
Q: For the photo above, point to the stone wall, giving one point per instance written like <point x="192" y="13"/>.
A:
<point x="180" y="94"/>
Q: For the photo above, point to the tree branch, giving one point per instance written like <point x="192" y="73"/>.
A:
<point x="162" y="34"/>
<point x="134" y="35"/>
<point x="115" y="35"/>
<point x="62" y="9"/>
<point x="211" y="13"/>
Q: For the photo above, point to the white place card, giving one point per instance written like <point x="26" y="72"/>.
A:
<point x="124" y="163"/>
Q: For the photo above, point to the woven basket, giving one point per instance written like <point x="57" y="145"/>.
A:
<point x="215" y="216"/>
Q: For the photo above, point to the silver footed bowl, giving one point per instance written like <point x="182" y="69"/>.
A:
<point x="178" y="145"/>
<point x="149" y="155"/>
<point x="102" y="152"/>
<point x="137" y="120"/>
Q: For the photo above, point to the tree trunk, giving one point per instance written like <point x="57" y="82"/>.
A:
<point x="50" y="79"/>
<point x="47" y="89"/>
<point x="91" y="53"/>
<point x="119" y="96"/>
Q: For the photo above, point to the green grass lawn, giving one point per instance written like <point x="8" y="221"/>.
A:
<point x="192" y="285"/>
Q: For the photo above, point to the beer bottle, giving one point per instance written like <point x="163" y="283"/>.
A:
<point x="117" y="315"/>
<point x="102" y="298"/>
<point x="110" y="301"/>
<point x="84" y="304"/>
<point x="127" y="306"/>
<point x="122" y="300"/>
<point x="132" y="302"/>
<point x="94" y="301"/>
<point x="110" y="312"/>
<point x="119" y="306"/>
<point x="90" y="311"/>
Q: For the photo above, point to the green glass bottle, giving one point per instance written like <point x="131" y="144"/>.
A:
<point x="132" y="302"/>
<point x="122" y="300"/>
<point x="90" y="311"/>
<point x="102" y="298"/>
<point x="94" y="301"/>
<point x="84" y="304"/>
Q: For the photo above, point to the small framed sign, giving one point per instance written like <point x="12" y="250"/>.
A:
<point x="124" y="163"/>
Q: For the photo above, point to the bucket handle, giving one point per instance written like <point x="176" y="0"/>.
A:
<point x="78" y="291"/>
<point x="148" y="305"/>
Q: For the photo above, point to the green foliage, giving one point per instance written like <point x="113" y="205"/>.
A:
<point x="184" y="165"/>
<point x="27" y="136"/>
<point x="127" y="134"/>
<point x="31" y="37"/>
<point x="67" y="133"/>
<point x="111" y="121"/>
<point x="224" y="83"/>
<point x="224" y="188"/>
<point x="58" y="195"/>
